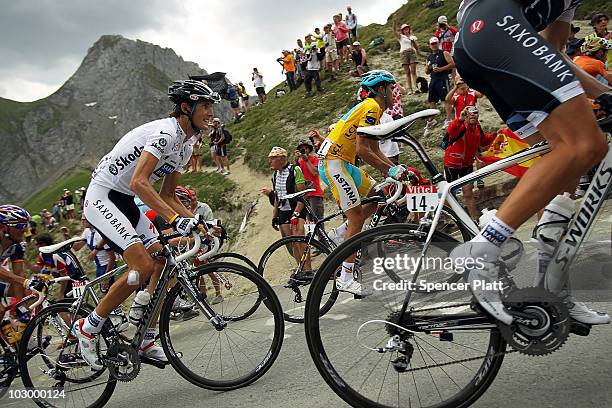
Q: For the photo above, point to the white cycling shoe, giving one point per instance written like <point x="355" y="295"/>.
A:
<point x="479" y="280"/>
<point x="154" y="352"/>
<point x="582" y="313"/>
<point x="87" y="345"/>
<point x="353" y="287"/>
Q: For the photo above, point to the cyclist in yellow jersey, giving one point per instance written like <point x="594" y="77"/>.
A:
<point x="337" y="168"/>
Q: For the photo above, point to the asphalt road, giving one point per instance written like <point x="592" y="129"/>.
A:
<point x="578" y="375"/>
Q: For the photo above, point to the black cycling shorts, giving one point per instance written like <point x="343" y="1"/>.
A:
<point x="499" y="53"/>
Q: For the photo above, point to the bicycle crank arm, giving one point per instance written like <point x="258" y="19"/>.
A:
<point x="153" y="362"/>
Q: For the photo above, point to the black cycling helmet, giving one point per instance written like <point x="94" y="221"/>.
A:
<point x="191" y="91"/>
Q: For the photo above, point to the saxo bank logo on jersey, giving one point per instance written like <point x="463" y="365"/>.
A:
<point x="529" y="40"/>
<point x="122" y="162"/>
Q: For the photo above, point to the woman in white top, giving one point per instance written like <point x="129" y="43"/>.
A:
<point x="408" y="53"/>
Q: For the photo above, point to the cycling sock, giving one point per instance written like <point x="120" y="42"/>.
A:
<point x="93" y="323"/>
<point x="341" y="230"/>
<point x="149" y="338"/>
<point x="347" y="271"/>
<point x="490" y="240"/>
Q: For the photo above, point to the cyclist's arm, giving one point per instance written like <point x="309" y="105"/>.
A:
<point x="168" y="194"/>
<point x="141" y="186"/>
<point x="369" y="152"/>
<point x="10" y="277"/>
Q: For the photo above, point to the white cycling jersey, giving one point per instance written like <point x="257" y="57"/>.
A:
<point x="163" y="138"/>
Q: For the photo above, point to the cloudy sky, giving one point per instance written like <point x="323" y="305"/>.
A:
<point x="44" y="41"/>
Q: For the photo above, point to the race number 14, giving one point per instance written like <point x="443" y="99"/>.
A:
<point x="422" y="198"/>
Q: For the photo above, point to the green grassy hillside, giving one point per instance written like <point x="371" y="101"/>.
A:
<point x="72" y="180"/>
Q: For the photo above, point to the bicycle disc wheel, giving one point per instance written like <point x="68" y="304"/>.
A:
<point x="355" y="355"/>
<point x="237" y="354"/>
<point x="283" y="272"/>
<point x="235" y="258"/>
<point x="47" y="361"/>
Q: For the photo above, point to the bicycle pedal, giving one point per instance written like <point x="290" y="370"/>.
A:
<point x="579" y="328"/>
<point x="153" y="362"/>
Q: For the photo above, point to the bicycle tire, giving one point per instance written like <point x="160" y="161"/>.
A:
<point x="284" y="243"/>
<point x="266" y="297"/>
<point x="10" y="372"/>
<point x="437" y="237"/>
<point x="234" y="255"/>
<point x="57" y="308"/>
<point x="476" y="386"/>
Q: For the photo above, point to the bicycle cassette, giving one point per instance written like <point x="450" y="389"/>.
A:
<point x="541" y="321"/>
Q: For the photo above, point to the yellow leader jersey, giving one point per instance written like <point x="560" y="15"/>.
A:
<point x="341" y="142"/>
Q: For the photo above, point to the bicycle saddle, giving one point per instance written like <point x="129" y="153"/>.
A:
<point x="298" y="194"/>
<point x="387" y="130"/>
<point x="59" y="247"/>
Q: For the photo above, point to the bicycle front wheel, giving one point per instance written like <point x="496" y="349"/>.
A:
<point x="235" y="258"/>
<point x="50" y="361"/>
<point x="232" y="356"/>
<point x="289" y="265"/>
<point x="369" y="361"/>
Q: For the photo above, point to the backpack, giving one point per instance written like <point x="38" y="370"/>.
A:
<point x="447" y="141"/>
<point x="290" y="183"/>
<point x="228" y="136"/>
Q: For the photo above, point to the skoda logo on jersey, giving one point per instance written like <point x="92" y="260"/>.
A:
<point x="165" y="169"/>
<point x="122" y="162"/>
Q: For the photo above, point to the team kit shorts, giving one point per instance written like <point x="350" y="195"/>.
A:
<point x="118" y="219"/>
<point x="347" y="183"/>
<point x="499" y="53"/>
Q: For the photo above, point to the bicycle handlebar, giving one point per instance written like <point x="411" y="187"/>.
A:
<point x="398" y="188"/>
<point x="40" y="296"/>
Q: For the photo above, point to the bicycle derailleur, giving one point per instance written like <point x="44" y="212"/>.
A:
<point x="399" y="342"/>
<point x="541" y="321"/>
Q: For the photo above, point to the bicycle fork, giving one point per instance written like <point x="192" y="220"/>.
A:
<point x="217" y="321"/>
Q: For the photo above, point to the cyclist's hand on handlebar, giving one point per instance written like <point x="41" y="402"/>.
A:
<point x="185" y="226"/>
<point x="36" y="282"/>
<point x="397" y="172"/>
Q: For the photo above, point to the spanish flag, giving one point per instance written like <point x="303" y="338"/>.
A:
<point x="505" y="144"/>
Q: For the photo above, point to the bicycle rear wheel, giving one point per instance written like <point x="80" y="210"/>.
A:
<point x="442" y="368"/>
<point x="237" y="354"/>
<point x="235" y="258"/>
<point x="291" y="278"/>
<point x="49" y="359"/>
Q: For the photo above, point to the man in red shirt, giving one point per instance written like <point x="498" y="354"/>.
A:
<point x="446" y="34"/>
<point x="309" y="163"/>
<point x="466" y="137"/>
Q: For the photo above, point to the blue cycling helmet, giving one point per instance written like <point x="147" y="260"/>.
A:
<point x="14" y="216"/>
<point x="376" y="77"/>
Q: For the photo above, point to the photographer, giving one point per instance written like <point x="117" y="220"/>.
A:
<point x="445" y="33"/>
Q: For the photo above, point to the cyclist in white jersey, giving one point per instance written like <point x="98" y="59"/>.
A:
<point x="155" y="150"/>
<point x="510" y="51"/>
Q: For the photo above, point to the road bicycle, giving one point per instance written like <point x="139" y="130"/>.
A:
<point x="401" y="348"/>
<point x="220" y="350"/>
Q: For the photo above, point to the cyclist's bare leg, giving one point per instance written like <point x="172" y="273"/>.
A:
<point x="577" y="144"/>
<point x="137" y="259"/>
<point x="356" y="217"/>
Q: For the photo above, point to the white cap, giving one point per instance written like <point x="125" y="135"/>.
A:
<point x="442" y="19"/>
<point x="356" y="43"/>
